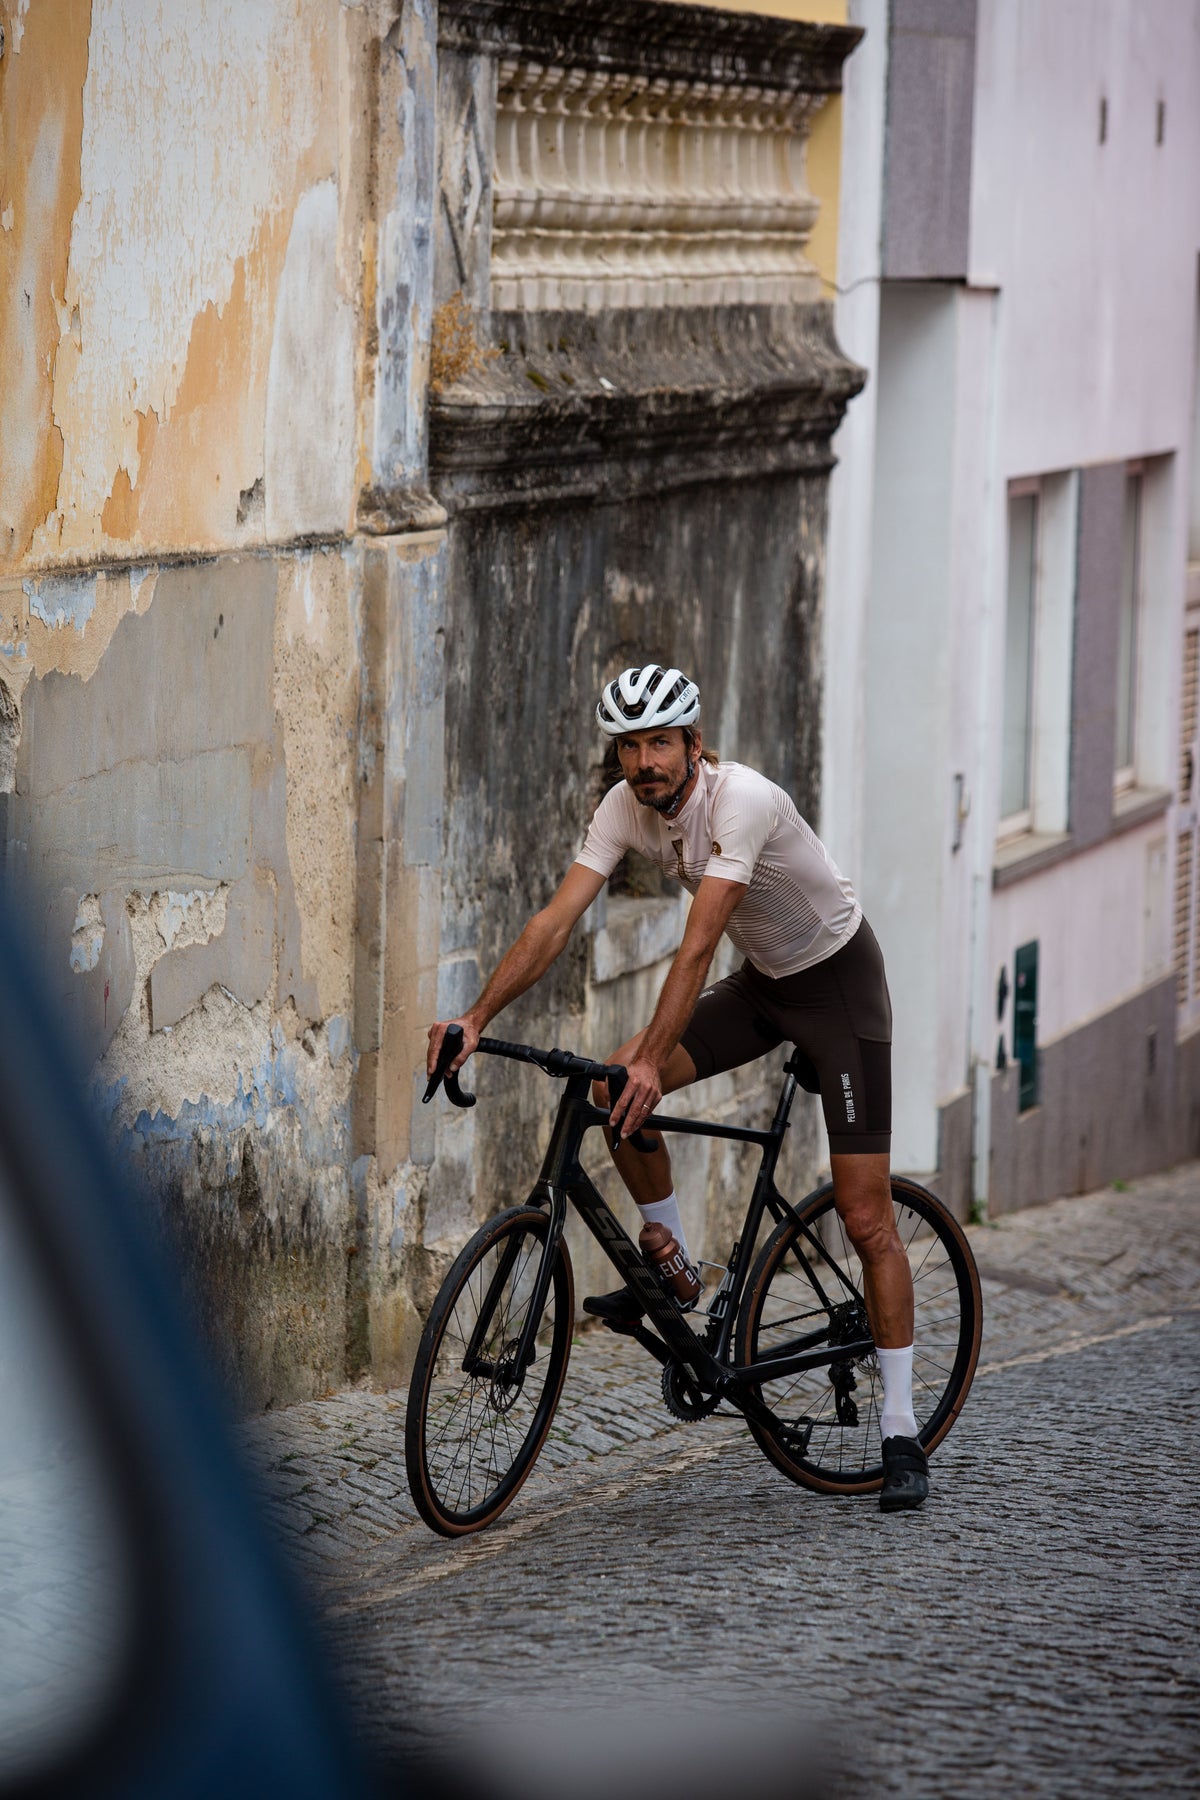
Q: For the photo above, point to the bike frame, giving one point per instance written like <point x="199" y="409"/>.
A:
<point x="563" y="1181"/>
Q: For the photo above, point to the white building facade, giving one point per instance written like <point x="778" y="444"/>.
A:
<point x="1013" y="597"/>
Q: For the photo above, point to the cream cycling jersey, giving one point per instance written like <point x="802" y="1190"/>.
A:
<point x="798" y="909"/>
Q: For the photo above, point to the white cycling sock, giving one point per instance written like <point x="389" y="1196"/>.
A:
<point x="896" y="1417"/>
<point x="666" y="1212"/>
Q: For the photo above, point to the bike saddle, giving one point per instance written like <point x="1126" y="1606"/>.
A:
<point x="804" y="1069"/>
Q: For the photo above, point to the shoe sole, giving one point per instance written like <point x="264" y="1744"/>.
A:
<point x="902" y="1502"/>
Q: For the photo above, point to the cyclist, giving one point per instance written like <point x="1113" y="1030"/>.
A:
<point x="813" y="975"/>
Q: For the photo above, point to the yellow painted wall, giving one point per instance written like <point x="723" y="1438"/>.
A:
<point x="825" y="142"/>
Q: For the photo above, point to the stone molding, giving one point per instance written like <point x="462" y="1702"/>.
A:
<point x="678" y="43"/>
<point x="629" y="402"/>
<point x="633" y="190"/>
<point x="643" y="154"/>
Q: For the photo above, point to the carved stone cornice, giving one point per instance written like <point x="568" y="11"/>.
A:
<point x="613" y="405"/>
<point x="622" y="153"/>
<point x="678" y="43"/>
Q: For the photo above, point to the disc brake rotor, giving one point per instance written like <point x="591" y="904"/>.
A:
<point x="505" y="1382"/>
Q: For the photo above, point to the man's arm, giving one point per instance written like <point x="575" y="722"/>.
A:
<point x="710" y="913"/>
<point x="542" y="940"/>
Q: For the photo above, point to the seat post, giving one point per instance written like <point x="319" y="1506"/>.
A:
<point x="787" y="1095"/>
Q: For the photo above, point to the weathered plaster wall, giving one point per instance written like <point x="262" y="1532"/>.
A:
<point x="184" y="815"/>
<point x="219" y="707"/>
<point x="264" y="851"/>
<point x="183" y="279"/>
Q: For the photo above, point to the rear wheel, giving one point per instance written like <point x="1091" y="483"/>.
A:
<point x="800" y="1296"/>
<point x="476" y="1420"/>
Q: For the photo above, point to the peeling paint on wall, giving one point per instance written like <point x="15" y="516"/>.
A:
<point x="63" y="600"/>
<point x="87" y="934"/>
<point x="151" y="232"/>
<point x="41" y="132"/>
<point x="37" y="612"/>
<point x="10" y="736"/>
<point x="180" y="657"/>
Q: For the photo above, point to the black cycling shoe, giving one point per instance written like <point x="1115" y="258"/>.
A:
<point x="905" y="1476"/>
<point x="621" y="1307"/>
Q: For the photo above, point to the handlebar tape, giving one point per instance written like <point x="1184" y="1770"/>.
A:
<point x="616" y="1087"/>
<point x="451" y="1045"/>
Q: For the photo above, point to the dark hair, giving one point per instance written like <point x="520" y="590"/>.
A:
<point x="708" y="756"/>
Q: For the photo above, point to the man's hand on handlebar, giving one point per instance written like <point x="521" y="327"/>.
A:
<point x="639" y="1097"/>
<point x="437" y="1033"/>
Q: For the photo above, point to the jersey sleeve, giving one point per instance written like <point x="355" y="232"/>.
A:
<point x="608" y="836"/>
<point x="743" y="817"/>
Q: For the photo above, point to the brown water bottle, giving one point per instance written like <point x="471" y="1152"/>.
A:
<point x="661" y="1250"/>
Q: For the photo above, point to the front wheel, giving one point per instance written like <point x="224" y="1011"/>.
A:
<point x="476" y="1420"/>
<point x="803" y="1295"/>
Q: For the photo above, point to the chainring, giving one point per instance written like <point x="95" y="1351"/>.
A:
<point x="682" y="1397"/>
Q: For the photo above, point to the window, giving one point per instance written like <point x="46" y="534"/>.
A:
<point x="1019" y="638"/>
<point x="1039" y="638"/>
<point x="1128" y="631"/>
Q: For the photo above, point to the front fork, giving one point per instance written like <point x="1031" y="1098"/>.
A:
<point x="474" y="1362"/>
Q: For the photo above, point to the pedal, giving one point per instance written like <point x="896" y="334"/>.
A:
<point x="622" y="1327"/>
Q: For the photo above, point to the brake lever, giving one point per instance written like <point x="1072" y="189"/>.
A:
<point x="616" y="1087"/>
<point x="451" y="1045"/>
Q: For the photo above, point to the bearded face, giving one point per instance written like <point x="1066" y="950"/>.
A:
<point x="658" y="766"/>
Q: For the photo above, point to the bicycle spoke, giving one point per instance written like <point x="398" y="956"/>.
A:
<point x="473" y="1432"/>
<point x="842" y="1449"/>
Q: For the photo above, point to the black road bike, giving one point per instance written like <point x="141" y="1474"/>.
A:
<point x="784" y="1339"/>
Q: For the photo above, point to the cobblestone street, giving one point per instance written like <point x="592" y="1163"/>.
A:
<point x="1031" y="1631"/>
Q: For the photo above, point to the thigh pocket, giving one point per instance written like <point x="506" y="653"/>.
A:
<point x="875" y="1056"/>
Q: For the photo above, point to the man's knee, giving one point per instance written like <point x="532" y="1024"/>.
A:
<point x="864" y="1203"/>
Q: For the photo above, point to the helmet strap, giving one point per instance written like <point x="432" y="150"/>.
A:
<point x="672" y="805"/>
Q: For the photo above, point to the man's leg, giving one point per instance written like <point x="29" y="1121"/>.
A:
<point x="647" y="1174"/>
<point x="862" y="1192"/>
<point x="863" y="1196"/>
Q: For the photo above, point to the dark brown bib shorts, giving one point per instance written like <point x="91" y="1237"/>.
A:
<point x="838" y="1014"/>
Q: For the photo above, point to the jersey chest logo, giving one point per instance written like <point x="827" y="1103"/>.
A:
<point x="677" y="847"/>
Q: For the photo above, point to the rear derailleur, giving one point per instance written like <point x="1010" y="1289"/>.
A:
<point x="847" y="1325"/>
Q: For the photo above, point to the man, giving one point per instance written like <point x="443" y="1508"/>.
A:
<point x="813" y="975"/>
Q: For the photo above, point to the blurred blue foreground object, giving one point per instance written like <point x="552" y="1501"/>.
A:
<point x="150" y="1640"/>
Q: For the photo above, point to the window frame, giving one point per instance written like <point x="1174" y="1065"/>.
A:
<point x="1020" y="823"/>
<point x="1125" y="775"/>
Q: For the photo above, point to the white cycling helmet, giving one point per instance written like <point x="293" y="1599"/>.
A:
<point x="641" y="699"/>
